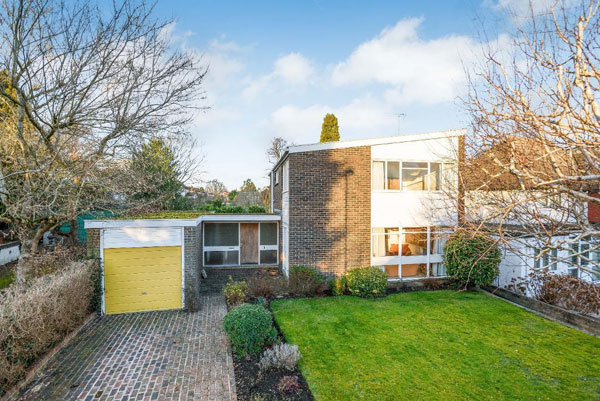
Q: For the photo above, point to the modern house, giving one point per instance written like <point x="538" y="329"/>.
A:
<point x="388" y="202"/>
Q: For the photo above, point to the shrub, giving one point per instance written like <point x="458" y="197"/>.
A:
<point x="305" y="281"/>
<point x="285" y="356"/>
<point x="366" y="282"/>
<point x="230" y="209"/>
<point x="250" y="328"/>
<point x="338" y="286"/>
<point x="266" y="286"/>
<point x="288" y="385"/>
<point x="562" y="290"/>
<point x="256" y="209"/>
<point x="50" y="260"/>
<point x="236" y="292"/>
<point x="471" y="258"/>
<point x="37" y="315"/>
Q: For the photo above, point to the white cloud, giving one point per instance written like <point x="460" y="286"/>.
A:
<point x="363" y="117"/>
<point x="415" y="70"/>
<point x="289" y="72"/>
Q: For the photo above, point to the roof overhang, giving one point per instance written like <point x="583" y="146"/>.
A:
<point x="149" y="223"/>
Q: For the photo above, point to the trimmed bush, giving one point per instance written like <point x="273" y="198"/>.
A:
<point x="36" y="315"/>
<point x="471" y="258"/>
<point x="236" y="292"/>
<point x="305" y="281"/>
<point x="366" y="282"/>
<point x="250" y="328"/>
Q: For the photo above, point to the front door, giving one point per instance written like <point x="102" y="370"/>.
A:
<point x="249" y="243"/>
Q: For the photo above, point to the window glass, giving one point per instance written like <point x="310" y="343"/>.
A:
<point x="438" y="242"/>
<point x="217" y="258"/>
<point x="438" y="270"/>
<point x="268" y="257"/>
<point x="414" y="176"/>
<point x="393" y="175"/>
<point x="574" y="272"/>
<point x="378" y="175"/>
<point x="574" y="252"/>
<point x="385" y="242"/>
<point x="268" y="233"/>
<point x="221" y="234"/>
<point x="414" y="241"/>
<point x="435" y="172"/>
<point x="585" y="253"/>
<point x="536" y="260"/>
<point x="414" y="270"/>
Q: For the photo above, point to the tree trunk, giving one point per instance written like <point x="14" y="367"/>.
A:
<point x="29" y="247"/>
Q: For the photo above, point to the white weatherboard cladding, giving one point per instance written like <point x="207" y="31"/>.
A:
<point x="414" y="208"/>
<point x="137" y="237"/>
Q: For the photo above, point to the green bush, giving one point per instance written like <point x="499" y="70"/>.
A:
<point x="366" y="282"/>
<point x="338" y="286"/>
<point x="305" y="281"/>
<point x="256" y="209"/>
<point x="471" y="258"/>
<point x="250" y="328"/>
<point x="236" y="292"/>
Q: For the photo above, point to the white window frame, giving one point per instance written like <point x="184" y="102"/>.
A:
<point x="238" y="247"/>
<point x="428" y="258"/>
<point x="443" y="185"/>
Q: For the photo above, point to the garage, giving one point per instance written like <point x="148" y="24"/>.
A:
<point x="142" y="269"/>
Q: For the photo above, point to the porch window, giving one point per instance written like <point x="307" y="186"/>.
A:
<point x="221" y="244"/>
<point x="268" y="243"/>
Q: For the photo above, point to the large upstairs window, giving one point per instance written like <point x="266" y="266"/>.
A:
<point x="390" y="175"/>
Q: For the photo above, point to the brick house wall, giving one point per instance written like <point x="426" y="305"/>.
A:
<point x="594" y="209"/>
<point x="277" y="189"/>
<point x="330" y="209"/>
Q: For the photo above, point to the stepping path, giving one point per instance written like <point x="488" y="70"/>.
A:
<point x="167" y="355"/>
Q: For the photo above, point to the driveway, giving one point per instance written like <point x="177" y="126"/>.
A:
<point x="168" y="355"/>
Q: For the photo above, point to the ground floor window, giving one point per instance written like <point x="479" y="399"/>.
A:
<point x="409" y="252"/>
<point x="233" y="244"/>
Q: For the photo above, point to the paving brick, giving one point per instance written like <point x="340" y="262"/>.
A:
<point x="166" y="355"/>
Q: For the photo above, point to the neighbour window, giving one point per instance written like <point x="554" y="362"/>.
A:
<point x="275" y="177"/>
<point x="414" y="241"/>
<point x="548" y="260"/>
<point x="412" y="176"/>
<point x="285" y="177"/>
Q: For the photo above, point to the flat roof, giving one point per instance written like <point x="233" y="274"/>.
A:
<point x="148" y="223"/>
<point x="384" y="140"/>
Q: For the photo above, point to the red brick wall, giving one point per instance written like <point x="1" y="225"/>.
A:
<point x="594" y="210"/>
<point x="330" y="209"/>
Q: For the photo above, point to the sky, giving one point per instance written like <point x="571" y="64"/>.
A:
<point x="276" y="68"/>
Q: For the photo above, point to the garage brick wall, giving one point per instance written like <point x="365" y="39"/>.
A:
<point x="93" y="243"/>
<point x="192" y="240"/>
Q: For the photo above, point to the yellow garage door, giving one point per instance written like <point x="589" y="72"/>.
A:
<point x="142" y="279"/>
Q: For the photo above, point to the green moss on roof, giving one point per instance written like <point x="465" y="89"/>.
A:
<point x="160" y="215"/>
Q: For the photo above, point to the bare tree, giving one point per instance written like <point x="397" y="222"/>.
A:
<point x="278" y="146"/>
<point x="534" y="155"/>
<point x="84" y="86"/>
<point x="216" y="188"/>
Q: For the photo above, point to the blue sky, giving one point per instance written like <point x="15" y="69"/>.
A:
<point x="276" y="68"/>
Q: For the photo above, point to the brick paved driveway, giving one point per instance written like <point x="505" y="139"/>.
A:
<point x="170" y="355"/>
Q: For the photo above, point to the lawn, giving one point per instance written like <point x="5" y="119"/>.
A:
<point x="441" y="345"/>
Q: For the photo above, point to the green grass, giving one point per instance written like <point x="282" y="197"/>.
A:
<point x="441" y="345"/>
<point x="6" y="278"/>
